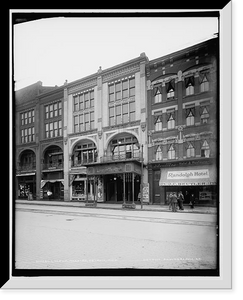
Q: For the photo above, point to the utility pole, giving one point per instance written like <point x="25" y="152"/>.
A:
<point x="141" y="186"/>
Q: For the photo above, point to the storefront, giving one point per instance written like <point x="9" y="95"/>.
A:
<point x="52" y="189"/>
<point x="26" y="185"/>
<point x="198" y="181"/>
<point x="115" y="182"/>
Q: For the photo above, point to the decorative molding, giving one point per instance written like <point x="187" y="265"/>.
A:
<point x="121" y="72"/>
<point x="143" y="126"/>
<point x="81" y="86"/>
<point x="100" y="133"/>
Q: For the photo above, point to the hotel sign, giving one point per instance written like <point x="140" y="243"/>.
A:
<point x="188" y="174"/>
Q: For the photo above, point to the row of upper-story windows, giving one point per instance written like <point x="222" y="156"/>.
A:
<point x="83" y="101"/>
<point x="27" y="135"/>
<point x="53" y="129"/>
<point x="84" y="122"/>
<point x="53" y="110"/>
<point x="27" y="117"/>
<point x="169" y="119"/>
<point x="170" y="150"/>
<point x="189" y="85"/>
<point x="121" y="89"/>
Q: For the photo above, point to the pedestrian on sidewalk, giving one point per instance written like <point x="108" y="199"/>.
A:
<point x="180" y="200"/>
<point x="192" y="200"/>
<point x="170" y="200"/>
<point x="49" y="193"/>
<point x="174" y="202"/>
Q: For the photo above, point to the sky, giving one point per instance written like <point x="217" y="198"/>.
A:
<point x="53" y="50"/>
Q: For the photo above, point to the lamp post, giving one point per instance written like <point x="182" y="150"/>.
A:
<point x="141" y="185"/>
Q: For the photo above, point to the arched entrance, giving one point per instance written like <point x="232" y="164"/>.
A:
<point x="84" y="153"/>
<point x="52" y="183"/>
<point x="26" y="174"/>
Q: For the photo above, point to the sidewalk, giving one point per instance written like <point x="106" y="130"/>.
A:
<point x="146" y="207"/>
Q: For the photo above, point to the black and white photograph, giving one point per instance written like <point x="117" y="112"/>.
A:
<point x="116" y="144"/>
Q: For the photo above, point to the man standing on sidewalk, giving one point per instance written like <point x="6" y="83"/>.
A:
<point x="180" y="200"/>
<point x="174" y="202"/>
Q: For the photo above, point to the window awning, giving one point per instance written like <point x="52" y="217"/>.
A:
<point x="191" y="175"/>
<point x="43" y="182"/>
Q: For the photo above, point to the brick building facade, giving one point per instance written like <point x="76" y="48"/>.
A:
<point x="182" y="124"/>
<point x="98" y="137"/>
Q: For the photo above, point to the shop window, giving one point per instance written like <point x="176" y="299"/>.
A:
<point x="78" y="189"/>
<point x="159" y="153"/>
<point x="205" y="150"/>
<point x="171" y="152"/>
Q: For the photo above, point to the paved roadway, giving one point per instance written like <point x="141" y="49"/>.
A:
<point x="50" y="237"/>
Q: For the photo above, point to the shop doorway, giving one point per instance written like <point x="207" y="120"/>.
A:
<point x="119" y="185"/>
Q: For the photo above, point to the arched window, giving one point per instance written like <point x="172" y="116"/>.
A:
<point x="159" y="153"/>
<point x="205" y="150"/>
<point x="84" y="153"/>
<point x="124" y="147"/>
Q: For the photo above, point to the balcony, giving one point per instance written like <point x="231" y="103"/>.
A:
<point x="52" y="166"/>
<point x="26" y="167"/>
<point x="128" y="156"/>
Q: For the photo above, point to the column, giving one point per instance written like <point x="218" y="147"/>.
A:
<point x="132" y="188"/>
<point x="66" y="156"/>
<point x="124" y="188"/>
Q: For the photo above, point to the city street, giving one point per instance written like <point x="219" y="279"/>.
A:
<point x="52" y="237"/>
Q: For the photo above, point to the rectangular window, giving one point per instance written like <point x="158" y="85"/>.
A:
<point x="111" y="93"/>
<point x="132" y="111"/>
<point x="118" y="114"/>
<point x="55" y="129"/>
<point x="33" y="116"/>
<point x="60" y="127"/>
<point x="60" y="108"/>
<point x="29" y="116"/>
<point x="86" y="122"/>
<point x="29" y="134"/>
<point x="76" y="103"/>
<point x="26" y="118"/>
<point x="76" y="124"/>
<point x="124" y="89"/>
<point x="22" y="136"/>
<point x="47" y="111"/>
<point x="92" y="120"/>
<point x="51" y="111"/>
<point x="55" y="110"/>
<point x="132" y="87"/>
<point x="51" y="130"/>
<point x="47" y="130"/>
<point x="92" y="99"/>
<point x="86" y="101"/>
<point x="112" y="115"/>
<point x="118" y="91"/>
<point x="125" y="113"/>
<point x="26" y="135"/>
<point x="33" y="134"/>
